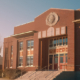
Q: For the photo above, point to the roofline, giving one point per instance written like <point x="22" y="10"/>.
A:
<point x="61" y="9"/>
<point x="54" y="8"/>
<point x="24" y="23"/>
<point x="21" y="33"/>
<point x="41" y="14"/>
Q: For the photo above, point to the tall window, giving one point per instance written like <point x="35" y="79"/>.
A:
<point x="20" y="58"/>
<point x="30" y="48"/>
<point x="6" y="57"/>
<point x="11" y="56"/>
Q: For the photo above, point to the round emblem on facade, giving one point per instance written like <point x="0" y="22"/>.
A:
<point x="52" y="19"/>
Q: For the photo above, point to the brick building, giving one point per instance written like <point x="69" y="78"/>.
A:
<point x="51" y="40"/>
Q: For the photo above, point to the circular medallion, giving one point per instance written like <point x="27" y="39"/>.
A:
<point x="52" y="19"/>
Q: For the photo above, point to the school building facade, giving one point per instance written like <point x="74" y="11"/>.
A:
<point x="52" y="40"/>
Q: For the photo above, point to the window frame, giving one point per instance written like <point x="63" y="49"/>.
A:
<point x="62" y="55"/>
<point x="66" y="55"/>
<point x="55" y="43"/>
<point x="6" y="58"/>
<point x="11" y="59"/>
<point x="51" y="43"/>
<point x="20" y="47"/>
<point x="60" y="44"/>
<point x="20" y="62"/>
<point x="67" y="41"/>
<point x="29" y="61"/>
<point x="30" y="47"/>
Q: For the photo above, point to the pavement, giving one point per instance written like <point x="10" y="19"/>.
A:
<point x="5" y="79"/>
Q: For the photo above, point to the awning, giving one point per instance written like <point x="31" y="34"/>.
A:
<point x="76" y="21"/>
<point x="25" y="34"/>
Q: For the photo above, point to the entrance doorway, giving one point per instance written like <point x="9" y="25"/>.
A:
<point x="56" y="62"/>
<point x="50" y="62"/>
<point x="53" y="62"/>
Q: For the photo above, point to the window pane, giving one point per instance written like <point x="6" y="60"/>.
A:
<point x="28" y="44"/>
<point x="32" y="43"/>
<point x="66" y="54"/>
<point x="6" y="57"/>
<point x="61" y="54"/>
<point x="28" y="60"/>
<point x="61" y="59"/>
<point x="31" y="63"/>
<point x="20" y="61"/>
<point x="54" y="42"/>
<point x="55" y="55"/>
<point x="57" y="42"/>
<point x="51" y="43"/>
<point x="56" y="60"/>
<point x="21" y="45"/>
<point x="60" y="41"/>
<point x="50" y="59"/>
<point x="11" y="62"/>
<point x="66" y="41"/>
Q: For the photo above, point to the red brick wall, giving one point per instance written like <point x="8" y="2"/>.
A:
<point x="24" y="28"/>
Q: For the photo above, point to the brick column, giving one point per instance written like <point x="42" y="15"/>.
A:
<point x="36" y="50"/>
<point x="71" y="48"/>
<point x="15" y="53"/>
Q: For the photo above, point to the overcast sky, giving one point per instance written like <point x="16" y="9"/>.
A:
<point x="17" y="12"/>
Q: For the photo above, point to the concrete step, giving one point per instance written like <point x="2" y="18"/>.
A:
<point x="39" y="75"/>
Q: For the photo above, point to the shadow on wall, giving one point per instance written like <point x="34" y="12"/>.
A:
<point x="69" y="75"/>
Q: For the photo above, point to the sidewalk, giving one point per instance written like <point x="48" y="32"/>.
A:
<point x="5" y="79"/>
